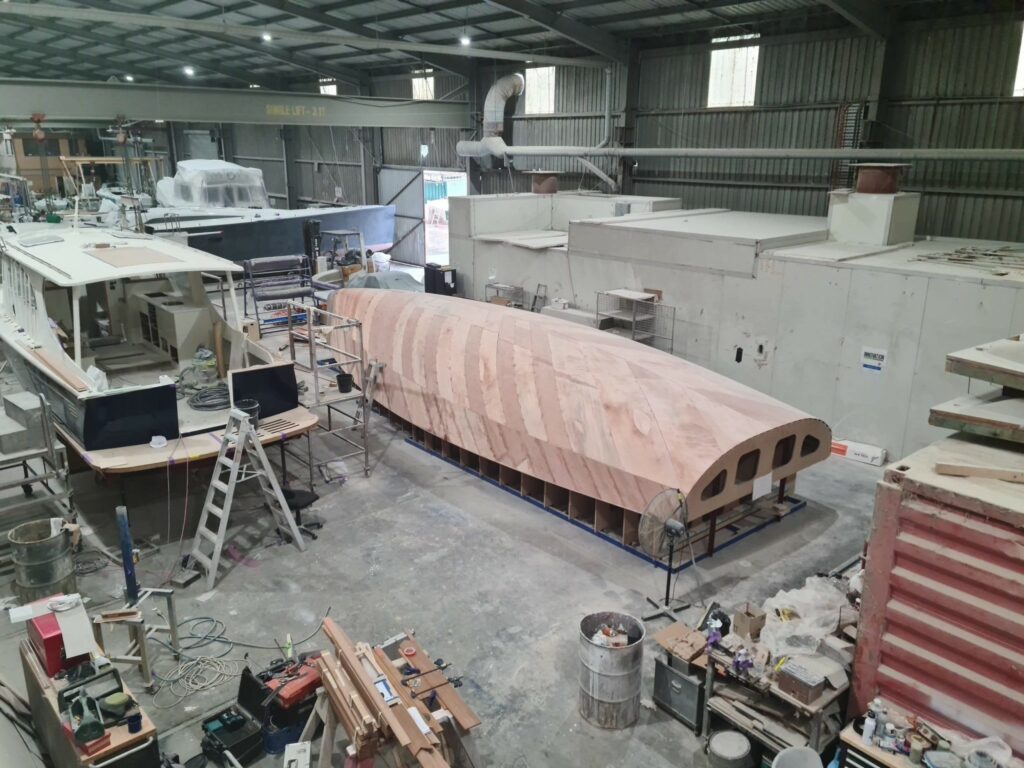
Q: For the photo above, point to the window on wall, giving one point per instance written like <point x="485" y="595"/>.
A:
<point x="328" y="87"/>
<point x="1018" y="81"/>
<point x="733" y="74"/>
<point x="423" y="85"/>
<point x="540" y="91"/>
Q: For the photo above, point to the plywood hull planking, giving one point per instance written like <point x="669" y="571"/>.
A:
<point x="596" y="414"/>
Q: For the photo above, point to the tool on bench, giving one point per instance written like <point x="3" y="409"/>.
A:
<point x="409" y="680"/>
<point x="454" y="682"/>
<point x="247" y="461"/>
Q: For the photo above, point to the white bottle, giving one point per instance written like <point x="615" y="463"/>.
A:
<point x="867" y="734"/>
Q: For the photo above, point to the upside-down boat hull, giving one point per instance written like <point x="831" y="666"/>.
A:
<point x="603" y="416"/>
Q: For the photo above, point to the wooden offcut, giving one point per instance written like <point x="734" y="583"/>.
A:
<point x="590" y="415"/>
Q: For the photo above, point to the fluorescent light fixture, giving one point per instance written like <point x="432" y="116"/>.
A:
<point x="190" y="71"/>
<point x="158" y="122"/>
<point x="130" y="78"/>
<point x="267" y="37"/>
<point x="464" y="40"/>
<point x="254" y="85"/>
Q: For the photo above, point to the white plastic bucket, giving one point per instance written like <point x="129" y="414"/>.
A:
<point x="797" y="757"/>
<point x="382" y="262"/>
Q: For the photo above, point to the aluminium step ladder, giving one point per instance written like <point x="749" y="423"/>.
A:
<point x="247" y="460"/>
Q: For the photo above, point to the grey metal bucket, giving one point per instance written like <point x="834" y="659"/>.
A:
<point x="43" y="566"/>
<point x="610" y="677"/>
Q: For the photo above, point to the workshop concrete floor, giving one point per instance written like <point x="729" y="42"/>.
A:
<point x="491" y="583"/>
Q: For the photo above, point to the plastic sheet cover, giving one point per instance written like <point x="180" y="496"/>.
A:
<point x="213" y="184"/>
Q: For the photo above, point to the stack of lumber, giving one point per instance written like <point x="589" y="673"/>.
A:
<point x="355" y="679"/>
<point x="997" y="414"/>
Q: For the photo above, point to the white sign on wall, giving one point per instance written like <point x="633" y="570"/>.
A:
<point x="873" y="359"/>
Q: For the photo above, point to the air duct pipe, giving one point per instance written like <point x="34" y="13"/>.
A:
<point x="495" y="146"/>
<point x="494" y="104"/>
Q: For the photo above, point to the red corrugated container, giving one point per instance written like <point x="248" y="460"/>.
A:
<point x="941" y="630"/>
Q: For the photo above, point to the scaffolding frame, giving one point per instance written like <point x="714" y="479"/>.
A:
<point x="318" y="330"/>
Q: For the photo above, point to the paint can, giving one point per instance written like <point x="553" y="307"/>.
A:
<point x="134" y="721"/>
<point x="610" y="675"/>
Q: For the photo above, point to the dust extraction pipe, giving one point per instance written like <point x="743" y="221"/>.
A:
<point x="495" y="145"/>
<point x="504" y="88"/>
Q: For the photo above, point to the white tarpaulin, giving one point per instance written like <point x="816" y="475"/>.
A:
<point x="213" y="184"/>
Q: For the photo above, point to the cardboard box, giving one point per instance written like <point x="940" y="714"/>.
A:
<point x="862" y="452"/>
<point x="748" y="621"/>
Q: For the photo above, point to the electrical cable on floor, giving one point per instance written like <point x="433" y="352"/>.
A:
<point x="201" y="672"/>
<point x="212" y="398"/>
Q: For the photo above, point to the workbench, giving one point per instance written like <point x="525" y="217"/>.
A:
<point x="803" y="727"/>
<point x="125" y="750"/>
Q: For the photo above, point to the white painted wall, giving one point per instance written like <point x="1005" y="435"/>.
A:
<point x="811" y="309"/>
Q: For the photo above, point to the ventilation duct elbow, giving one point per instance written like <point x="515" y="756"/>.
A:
<point x="494" y="105"/>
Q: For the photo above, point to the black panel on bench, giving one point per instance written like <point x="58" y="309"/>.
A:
<point x="130" y="418"/>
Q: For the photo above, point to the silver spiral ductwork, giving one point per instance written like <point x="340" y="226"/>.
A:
<point x="497" y="97"/>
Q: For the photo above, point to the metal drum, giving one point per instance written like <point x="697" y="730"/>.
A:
<point x="41" y="553"/>
<point x="610" y="677"/>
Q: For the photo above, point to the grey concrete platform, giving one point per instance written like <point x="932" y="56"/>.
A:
<point x="489" y="582"/>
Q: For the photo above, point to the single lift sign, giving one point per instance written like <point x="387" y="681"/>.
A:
<point x="872" y="359"/>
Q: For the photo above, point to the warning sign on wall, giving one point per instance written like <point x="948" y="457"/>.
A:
<point x="873" y="359"/>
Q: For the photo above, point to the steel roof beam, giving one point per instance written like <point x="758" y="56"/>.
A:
<point x="207" y="28"/>
<point x="156" y="51"/>
<point x="213" y="33"/>
<point x="869" y="16"/>
<point x="450" y="63"/>
<point x="98" y="69"/>
<point x="582" y="34"/>
<point x="101" y="102"/>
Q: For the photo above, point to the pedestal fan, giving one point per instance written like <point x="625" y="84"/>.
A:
<point x="663" y="529"/>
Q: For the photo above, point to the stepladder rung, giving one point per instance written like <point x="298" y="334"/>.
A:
<point x="247" y="461"/>
<point x="207" y="534"/>
<point x="202" y="559"/>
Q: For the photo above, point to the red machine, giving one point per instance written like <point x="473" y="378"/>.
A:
<point x="295" y="683"/>
<point x="48" y="643"/>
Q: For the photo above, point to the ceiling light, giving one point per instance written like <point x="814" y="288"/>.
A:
<point x="190" y="71"/>
<point x="129" y="78"/>
<point x="158" y="122"/>
<point x="464" y="40"/>
<point x="267" y="37"/>
<point x="254" y="85"/>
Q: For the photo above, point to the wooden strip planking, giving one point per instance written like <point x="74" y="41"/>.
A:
<point x="446" y="694"/>
<point x="975" y="470"/>
<point x="352" y="664"/>
<point x="407" y="701"/>
<point x="599" y="415"/>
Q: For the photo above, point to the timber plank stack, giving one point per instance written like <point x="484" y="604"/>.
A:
<point x="351" y="679"/>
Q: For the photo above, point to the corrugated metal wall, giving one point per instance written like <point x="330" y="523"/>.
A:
<point x="949" y="86"/>
<point x="324" y="165"/>
<point x="262" y="146"/>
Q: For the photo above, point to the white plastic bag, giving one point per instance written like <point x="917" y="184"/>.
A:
<point x="815" y="614"/>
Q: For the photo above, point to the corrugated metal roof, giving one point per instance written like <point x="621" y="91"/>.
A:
<point x="438" y="22"/>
